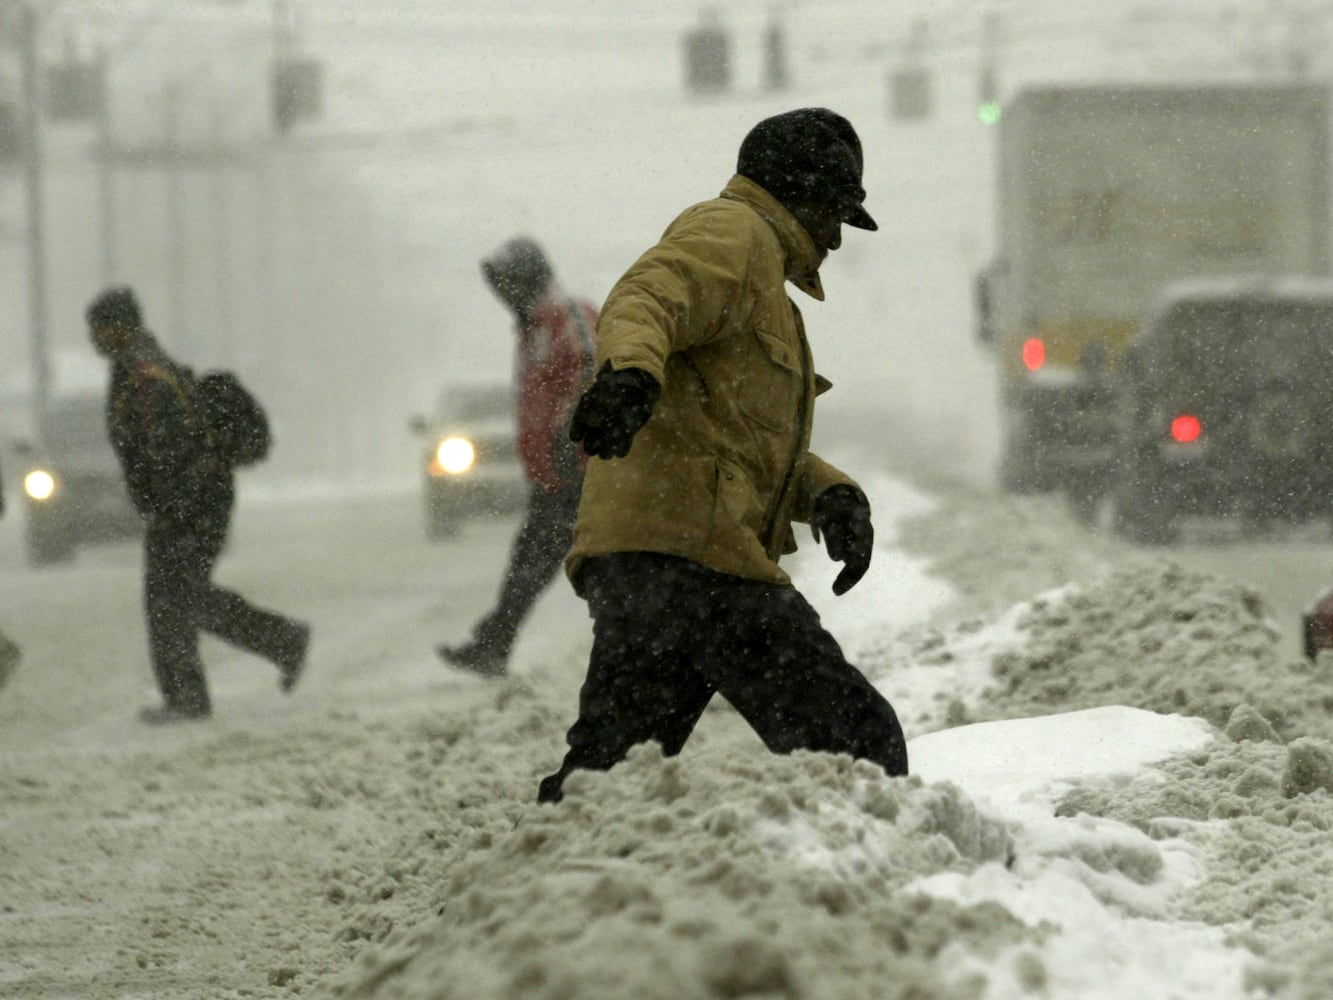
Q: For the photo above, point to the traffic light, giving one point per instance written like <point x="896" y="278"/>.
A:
<point x="708" y="59"/>
<point x="910" y="94"/>
<point x="989" y="109"/>
<point x="777" y="75"/>
<point x="298" y="91"/>
<point x="74" y="91"/>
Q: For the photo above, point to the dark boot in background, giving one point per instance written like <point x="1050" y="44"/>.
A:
<point x="488" y="652"/>
<point x="475" y="657"/>
<point x="10" y="654"/>
<point x="291" y="653"/>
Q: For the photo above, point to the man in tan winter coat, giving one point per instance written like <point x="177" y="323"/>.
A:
<point x="699" y="425"/>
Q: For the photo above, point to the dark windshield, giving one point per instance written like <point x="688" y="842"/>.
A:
<point x="1246" y="342"/>
<point x="74" y="425"/>
<point x="471" y="403"/>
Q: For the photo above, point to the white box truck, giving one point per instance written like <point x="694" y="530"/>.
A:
<point x="1107" y="194"/>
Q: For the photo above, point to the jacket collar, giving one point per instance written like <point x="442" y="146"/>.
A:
<point x="143" y="350"/>
<point x="801" y="264"/>
<point x="546" y="310"/>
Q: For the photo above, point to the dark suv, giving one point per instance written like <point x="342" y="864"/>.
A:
<point x="1224" y="404"/>
<point x="73" y="491"/>
<point x="470" y="465"/>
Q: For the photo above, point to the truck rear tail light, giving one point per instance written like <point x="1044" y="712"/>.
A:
<point x="1186" y="428"/>
<point x="1034" y="353"/>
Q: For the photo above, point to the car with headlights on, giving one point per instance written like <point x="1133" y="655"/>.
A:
<point x="1225" y="400"/>
<point x="73" y="490"/>
<point x="470" y="466"/>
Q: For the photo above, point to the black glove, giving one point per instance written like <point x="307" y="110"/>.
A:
<point x="612" y="410"/>
<point x="842" y="516"/>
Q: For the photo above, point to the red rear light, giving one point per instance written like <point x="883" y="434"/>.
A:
<point x="1186" y="428"/>
<point x="1034" y="353"/>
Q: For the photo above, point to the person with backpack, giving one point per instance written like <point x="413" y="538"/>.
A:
<point x="552" y="362"/>
<point x="178" y="460"/>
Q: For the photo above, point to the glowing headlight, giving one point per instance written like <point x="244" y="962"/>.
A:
<point x="39" y="484"/>
<point x="455" y="455"/>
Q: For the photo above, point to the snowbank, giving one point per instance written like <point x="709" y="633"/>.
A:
<point x="1120" y="788"/>
<point x="1078" y="852"/>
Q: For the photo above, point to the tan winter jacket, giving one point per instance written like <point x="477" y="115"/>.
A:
<point x="723" y="466"/>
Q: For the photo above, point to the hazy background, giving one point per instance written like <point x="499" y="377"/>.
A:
<point x="335" y="265"/>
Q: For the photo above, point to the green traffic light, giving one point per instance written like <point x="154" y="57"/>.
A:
<point x="989" y="112"/>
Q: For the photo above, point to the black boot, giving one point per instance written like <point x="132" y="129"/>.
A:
<point x="291" y="657"/>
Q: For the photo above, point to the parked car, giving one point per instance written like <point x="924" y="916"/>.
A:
<point x="73" y="490"/>
<point x="1224" y="405"/>
<point x="470" y="465"/>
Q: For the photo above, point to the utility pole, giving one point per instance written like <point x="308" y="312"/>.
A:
<point x="222" y="231"/>
<point x="106" y="188"/>
<point x="32" y="179"/>
<point x="176" y="272"/>
<point x="282" y="30"/>
<point x="989" y="107"/>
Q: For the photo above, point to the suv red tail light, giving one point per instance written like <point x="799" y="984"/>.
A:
<point x="1186" y="428"/>
<point x="1034" y="353"/>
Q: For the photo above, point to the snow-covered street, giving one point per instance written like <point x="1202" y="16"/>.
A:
<point x="1122" y="768"/>
<point x="375" y="834"/>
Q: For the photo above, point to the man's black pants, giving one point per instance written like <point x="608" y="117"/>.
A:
<point x="536" y="557"/>
<point x="180" y="599"/>
<point x="668" y="634"/>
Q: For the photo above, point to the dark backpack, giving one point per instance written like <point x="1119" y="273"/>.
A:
<point x="237" y="425"/>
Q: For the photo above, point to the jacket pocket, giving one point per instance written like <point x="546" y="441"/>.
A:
<point x="737" y="500"/>
<point x="772" y="384"/>
<point x="738" y="521"/>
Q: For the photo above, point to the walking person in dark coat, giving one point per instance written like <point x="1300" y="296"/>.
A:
<point x="552" y="362"/>
<point x="184" y="490"/>
<point x="700" y="421"/>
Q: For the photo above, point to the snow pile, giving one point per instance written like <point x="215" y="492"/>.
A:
<point x="1057" y="856"/>
<point x="1256" y="803"/>
<point x="729" y="875"/>
<point x="1262" y="812"/>
<point x="730" y="872"/>
<point x="1148" y="634"/>
<point x="1102" y="893"/>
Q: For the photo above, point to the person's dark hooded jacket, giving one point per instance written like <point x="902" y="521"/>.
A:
<point x="159" y="437"/>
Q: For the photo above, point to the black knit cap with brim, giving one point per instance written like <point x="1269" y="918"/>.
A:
<point x="812" y="155"/>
